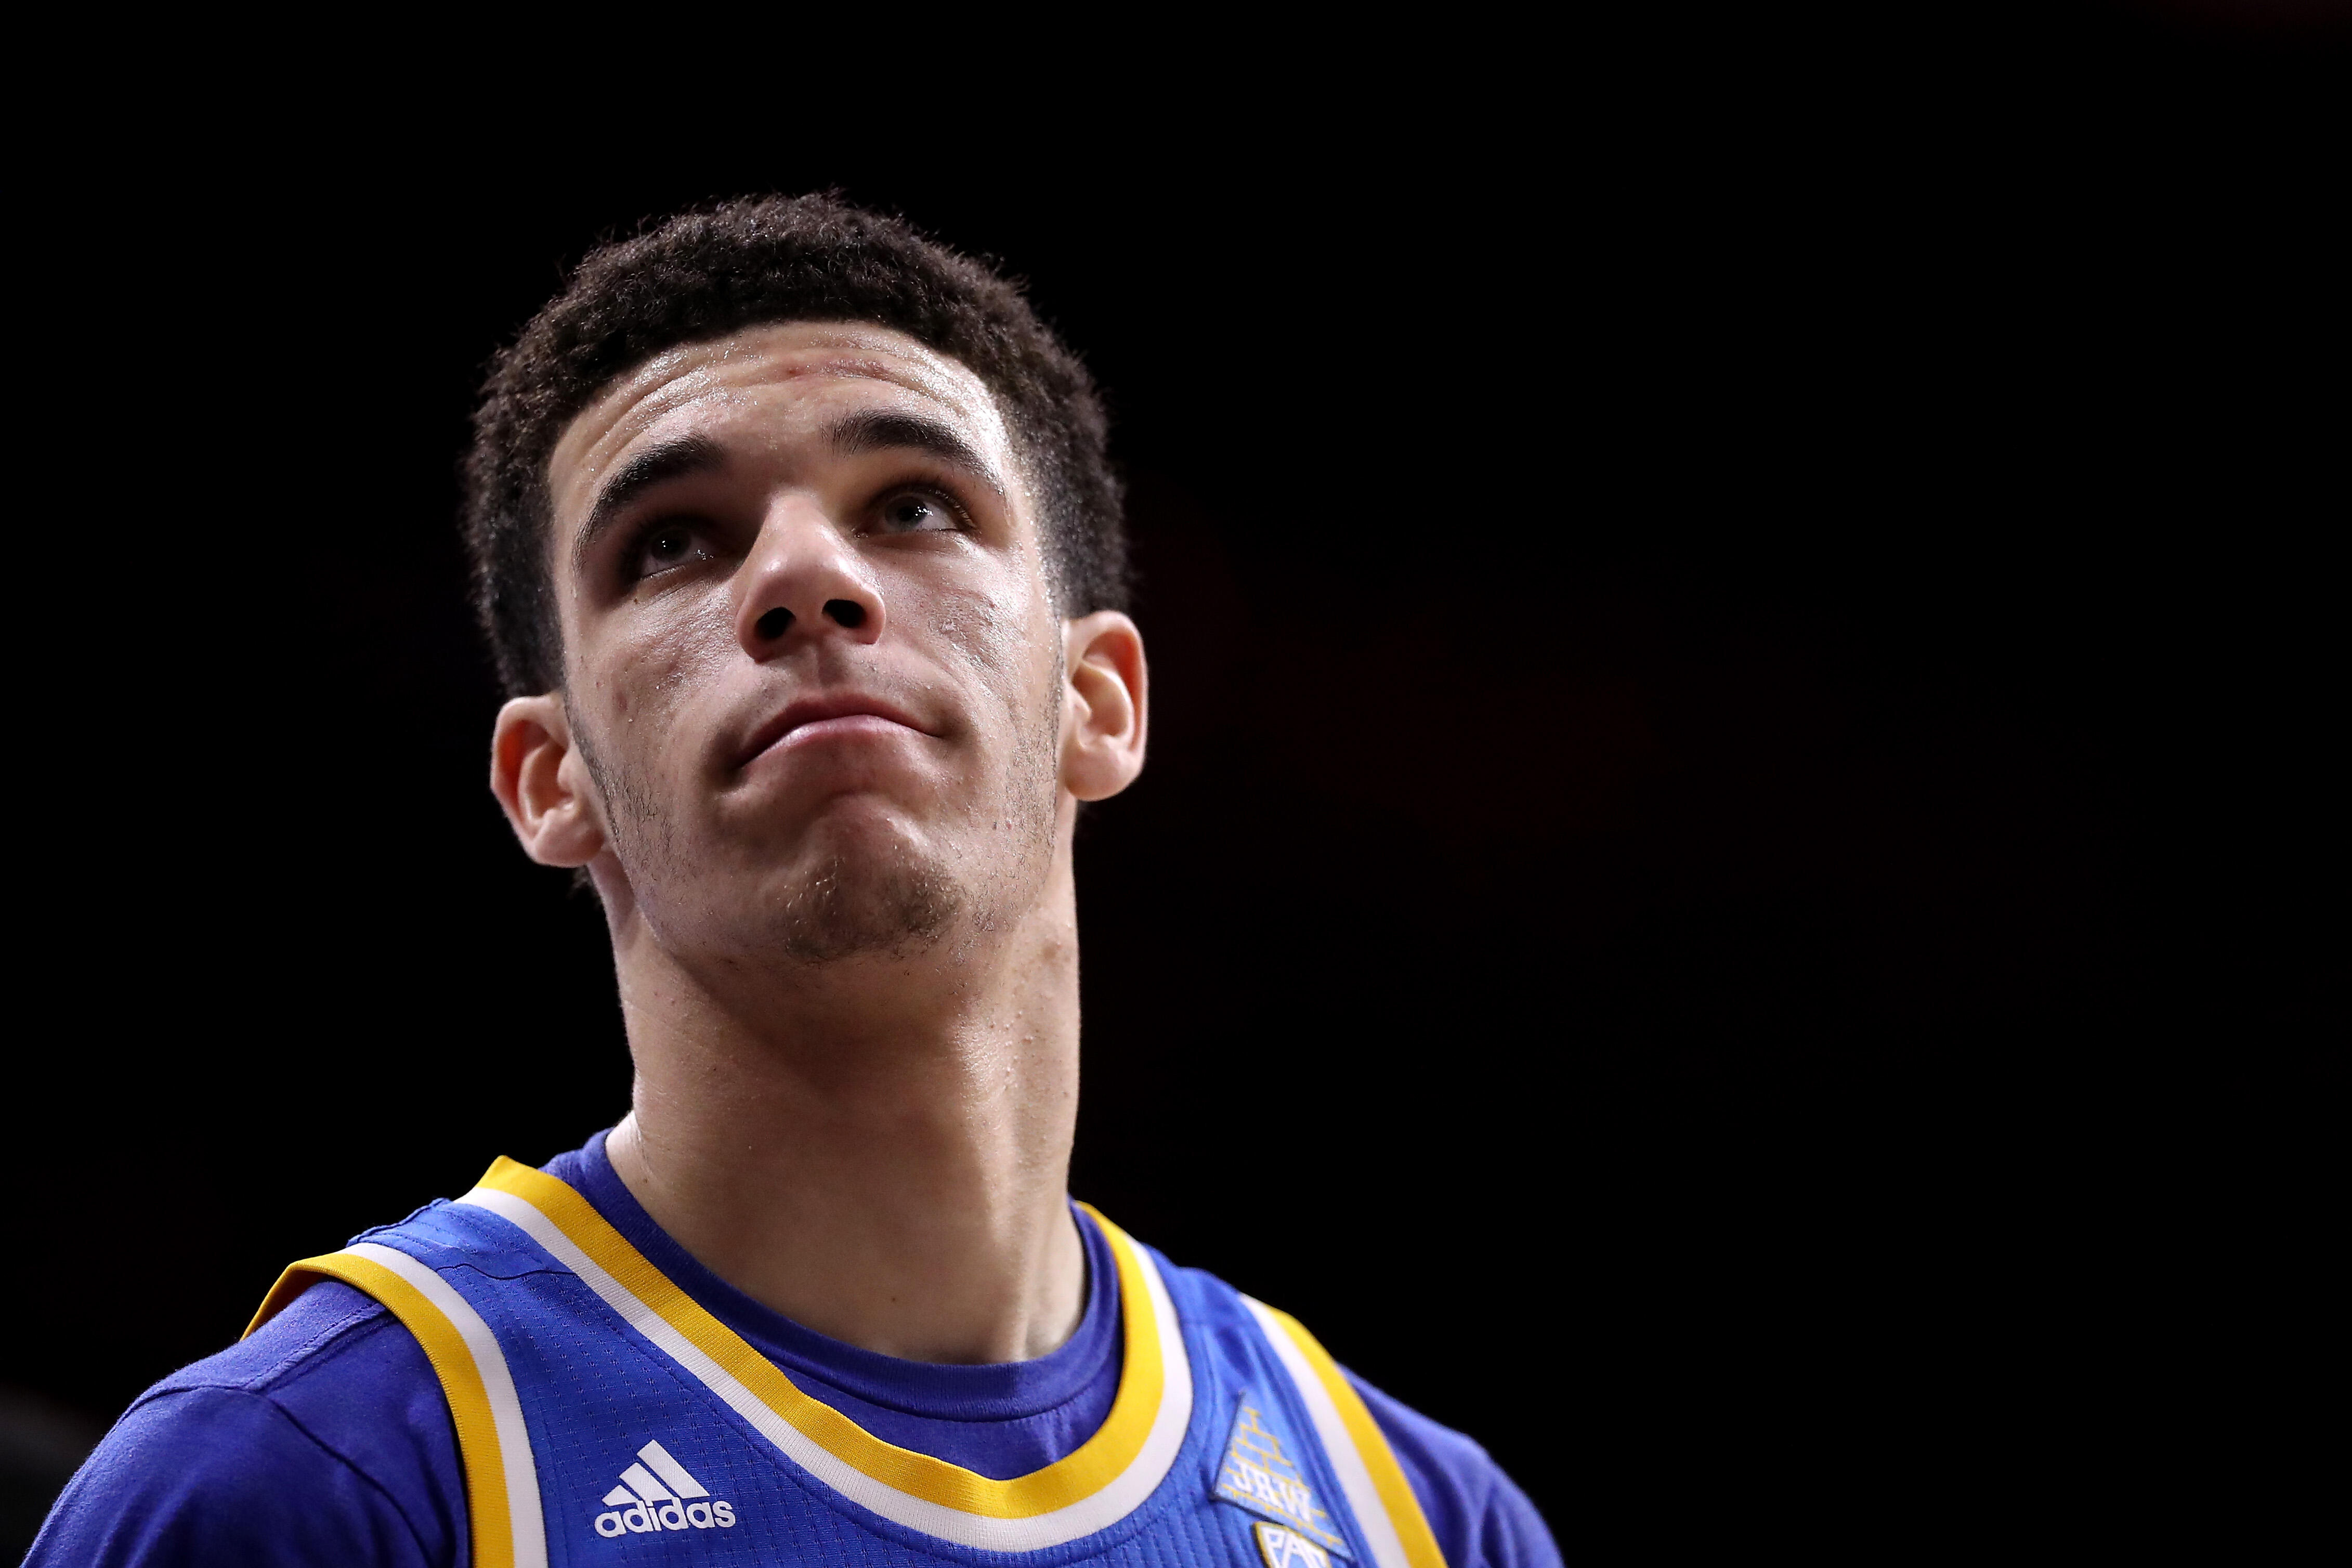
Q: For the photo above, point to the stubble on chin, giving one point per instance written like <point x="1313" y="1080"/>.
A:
<point x="894" y="901"/>
<point x="845" y="909"/>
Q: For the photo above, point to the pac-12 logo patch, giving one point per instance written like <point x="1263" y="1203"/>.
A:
<point x="657" y="1494"/>
<point x="1261" y="1472"/>
<point x="1283" y="1547"/>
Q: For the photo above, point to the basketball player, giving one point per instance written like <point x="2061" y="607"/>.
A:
<point x="799" y="550"/>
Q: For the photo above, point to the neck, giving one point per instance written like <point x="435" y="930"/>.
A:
<point x="877" y="1148"/>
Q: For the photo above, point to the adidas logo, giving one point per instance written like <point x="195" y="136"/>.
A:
<point x="654" y="1495"/>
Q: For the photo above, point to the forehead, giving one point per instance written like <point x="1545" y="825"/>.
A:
<point x="772" y="381"/>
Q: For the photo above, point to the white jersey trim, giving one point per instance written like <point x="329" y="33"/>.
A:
<point x="1354" y="1478"/>
<point x="524" y="1519"/>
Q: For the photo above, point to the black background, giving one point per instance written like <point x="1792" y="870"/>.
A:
<point x="1735" y="615"/>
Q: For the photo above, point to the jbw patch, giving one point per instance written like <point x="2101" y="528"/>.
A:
<point x="1260" y="1472"/>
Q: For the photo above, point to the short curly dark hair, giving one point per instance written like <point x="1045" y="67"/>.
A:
<point x="705" y="273"/>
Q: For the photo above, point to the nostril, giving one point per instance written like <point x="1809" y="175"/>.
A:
<point x="775" y="624"/>
<point x="848" y="611"/>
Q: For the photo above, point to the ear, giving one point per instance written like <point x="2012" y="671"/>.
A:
<point x="1104" y="711"/>
<point x="542" y="782"/>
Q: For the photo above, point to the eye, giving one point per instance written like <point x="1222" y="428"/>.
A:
<point x="667" y="546"/>
<point x="919" y="511"/>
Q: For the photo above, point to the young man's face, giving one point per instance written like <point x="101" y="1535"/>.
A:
<point x="813" y="666"/>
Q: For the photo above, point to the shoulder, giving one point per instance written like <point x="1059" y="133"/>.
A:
<point x="1480" y="1516"/>
<point x="322" y="1438"/>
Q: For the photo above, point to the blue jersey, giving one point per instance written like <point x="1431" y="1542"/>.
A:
<point x="602" y="1412"/>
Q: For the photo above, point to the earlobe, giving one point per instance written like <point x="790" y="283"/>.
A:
<point x="540" y="783"/>
<point x="1107" y="707"/>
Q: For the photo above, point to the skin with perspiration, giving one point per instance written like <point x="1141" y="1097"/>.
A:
<point x="833" y="844"/>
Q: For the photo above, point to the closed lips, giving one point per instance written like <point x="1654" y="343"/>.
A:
<point x="817" y="710"/>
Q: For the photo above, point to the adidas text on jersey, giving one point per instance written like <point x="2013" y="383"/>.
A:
<point x="645" y="1504"/>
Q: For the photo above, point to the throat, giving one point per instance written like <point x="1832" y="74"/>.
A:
<point x="893" y="1228"/>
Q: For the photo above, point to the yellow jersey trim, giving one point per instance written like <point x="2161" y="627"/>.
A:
<point x="1388" y="1478"/>
<point x="1097" y="1463"/>
<point x="453" y="1363"/>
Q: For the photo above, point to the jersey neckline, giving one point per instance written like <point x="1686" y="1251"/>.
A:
<point x="1105" y="1480"/>
<point x="996" y="1393"/>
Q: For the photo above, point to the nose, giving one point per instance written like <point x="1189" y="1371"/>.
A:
<point x="804" y="579"/>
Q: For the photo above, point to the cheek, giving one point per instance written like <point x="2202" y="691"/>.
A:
<point x="1007" y="644"/>
<point x="653" y="660"/>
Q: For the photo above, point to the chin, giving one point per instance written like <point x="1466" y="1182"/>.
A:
<point x="859" y="887"/>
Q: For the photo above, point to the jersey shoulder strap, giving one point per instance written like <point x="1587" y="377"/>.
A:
<point x="1374" y="1484"/>
<point x="501" y="1480"/>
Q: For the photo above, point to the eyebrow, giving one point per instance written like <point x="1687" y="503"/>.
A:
<point x="869" y="430"/>
<point x="877" y="429"/>
<point x="654" y="466"/>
